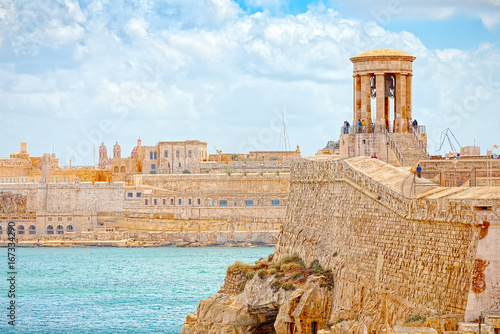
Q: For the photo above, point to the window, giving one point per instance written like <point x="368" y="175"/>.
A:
<point x="151" y="155"/>
<point x="164" y="201"/>
<point x="59" y="219"/>
<point x="275" y="202"/>
<point x="130" y="195"/>
<point x="50" y="229"/>
<point x="180" y="201"/>
<point x="166" y="154"/>
<point x="32" y="229"/>
<point x="1" y="229"/>
<point x="155" y="201"/>
<point x="190" y="201"/>
<point x="146" y="201"/>
<point x="20" y="229"/>
<point x="60" y="229"/>
<point x="153" y="166"/>
<point x="199" y="201"/>
<point x="49" y="219"/>
<point x="190" y="153"/>
<point x="177" y="154"/>
<point x="156" y="156"/>
<point x="138" y="195"/>
<point x="169" y="165"/>
<point x="70" y="219"/>
<point x="223" y="202"/>
<point x="122" y="169"/>
<point x="248" y="202"/>
<point x="179" y="164"/>
<point x="171" y="201"/>
<point x="69" y="228"/>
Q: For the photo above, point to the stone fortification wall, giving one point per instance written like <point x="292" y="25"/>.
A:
<point x="53" y="197"/>
<point x="353" y="216"/>
<point x="77" y="210"/>
<point x="392" y="245"/>
<point x="10" y="203"/>
<point x="245" y="166"/>
<point x="218" y="183"/>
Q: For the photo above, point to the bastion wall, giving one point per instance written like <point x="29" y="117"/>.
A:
<point x="355" y="217"/>
<point x="157" y="207"/>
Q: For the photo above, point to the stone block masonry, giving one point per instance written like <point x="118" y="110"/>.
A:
<point x="423" y="251"/>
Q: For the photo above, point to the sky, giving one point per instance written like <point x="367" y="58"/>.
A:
<point x="75" y="73"/>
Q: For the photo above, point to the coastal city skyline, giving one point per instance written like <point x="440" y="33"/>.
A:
<point x="78" y="73"/>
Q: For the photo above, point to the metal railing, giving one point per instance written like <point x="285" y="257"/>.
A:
<point x="347" y="130"/>
<point x="421" y="144"/>
<point x="392" y="144"/>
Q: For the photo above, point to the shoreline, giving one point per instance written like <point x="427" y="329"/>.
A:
<point x="126" y="243"/>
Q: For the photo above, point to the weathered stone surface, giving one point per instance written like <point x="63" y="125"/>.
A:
<point x="394" y="251"/>
<point x="10" y="203"/>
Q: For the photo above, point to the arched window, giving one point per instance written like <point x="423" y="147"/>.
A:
<point x="20" y="229"/>
<point x="69" y="228"/>
<point x="122" y="169"/>
<point x="1" y="231"/>
<point x="115" y="169"/>
<point x="60" y="229"/>
<point x="32" y="229"/>
<point x="50" y="229"/>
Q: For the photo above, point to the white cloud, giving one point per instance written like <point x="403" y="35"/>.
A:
<point x="137" y="28"/>
<point x="178" y="70"/>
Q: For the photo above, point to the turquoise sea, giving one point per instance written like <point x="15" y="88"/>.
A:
<point x="113" y="290"/>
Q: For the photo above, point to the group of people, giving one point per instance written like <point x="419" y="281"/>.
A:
<point x="360" y="127"/>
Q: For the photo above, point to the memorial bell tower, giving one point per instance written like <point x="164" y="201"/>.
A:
<point x="383" y="74"/>
<point x="382" y="110"/>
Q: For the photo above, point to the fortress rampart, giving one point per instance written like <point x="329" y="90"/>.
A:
<point x="422" y="248"/>
<point x="209" y="208"/>
<point x="393" y="246"/>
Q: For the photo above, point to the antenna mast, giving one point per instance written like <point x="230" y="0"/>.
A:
<point x="284" y="134"/>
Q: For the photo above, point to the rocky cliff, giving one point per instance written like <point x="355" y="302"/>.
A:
<point x="391" y="248"/>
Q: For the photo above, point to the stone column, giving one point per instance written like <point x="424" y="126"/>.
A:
<point x="400" y="103"/>
<point x="365" y="99"/>
<point x="380" y="99"/>
<point x="357" y="99"/>
<point x="408" y="97"/>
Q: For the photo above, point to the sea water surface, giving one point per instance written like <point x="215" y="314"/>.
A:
<point x="113" y="290"/>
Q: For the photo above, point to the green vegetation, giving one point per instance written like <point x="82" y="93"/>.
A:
<point x="415" y="319"/>
<point x="262" y="273"/>
<point x="250" y="274"/>
<point x="335" y="254"/>
<point x="287" y="273"/>
<point x="317" y="268"/>
<point x="276" y="285"/>
<point x="186" y="171"/>
<point x="237" y="268"/>
<point x="152" y="172"/>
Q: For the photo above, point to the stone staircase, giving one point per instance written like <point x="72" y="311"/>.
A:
<point x="409" y="148"/>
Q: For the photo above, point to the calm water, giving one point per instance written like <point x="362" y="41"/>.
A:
<point x="113" y="290"/>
